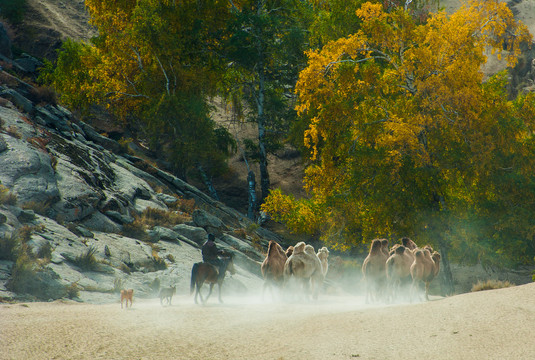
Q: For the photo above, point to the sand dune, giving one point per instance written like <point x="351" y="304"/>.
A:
<point x="497" y="324"/>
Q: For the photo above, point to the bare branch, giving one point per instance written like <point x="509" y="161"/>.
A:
<point x="164" y="74"/>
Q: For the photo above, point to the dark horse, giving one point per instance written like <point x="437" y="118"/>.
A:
<point x="205" y="272"/>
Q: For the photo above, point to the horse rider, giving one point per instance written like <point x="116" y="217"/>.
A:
<point x="210" y="254"/>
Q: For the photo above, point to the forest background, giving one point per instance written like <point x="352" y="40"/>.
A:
<point x="400" y="132"/>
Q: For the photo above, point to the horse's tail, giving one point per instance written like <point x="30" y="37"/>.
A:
<point x="194" y="271"/>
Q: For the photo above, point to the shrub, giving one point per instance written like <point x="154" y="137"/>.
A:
<point x="9" y="247"/>
<point x="14" y="132"/>
<point x="117" y="285"/>
<point x="491" y="285"/>
<point x="73" y="290"/>
<point x="39" y="207"/>
<point x="7" y="197"/>
<point x="43" y="95"/>
<point x="23" y="274"/>
<point x="87" y="261"/>
<point x="156" y="217"/>
<point x="135" y="230"/>
<point x="45" y="251"/>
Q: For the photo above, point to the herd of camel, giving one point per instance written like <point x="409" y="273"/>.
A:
<point x="387" y="271"/>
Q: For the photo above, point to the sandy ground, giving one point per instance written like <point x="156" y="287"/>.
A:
<point x="497" y="324"/>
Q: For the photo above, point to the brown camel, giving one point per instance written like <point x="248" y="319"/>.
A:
<point x="323" y="255"/>
<point x="273" y="266"/>
<point x="398" y="270"/>
<point x="424" y="269"/>
<point x="408" y="243"/>
<point x="374" y="271"/>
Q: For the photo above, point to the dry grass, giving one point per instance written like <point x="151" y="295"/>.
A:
<point x="87" y="260"/>
<point x="43" y="95"/>
<point x="39" y="207"/>
<point x="156" y="217"/>
<point x="491" y="285"/>
<point x="7" y="197"/>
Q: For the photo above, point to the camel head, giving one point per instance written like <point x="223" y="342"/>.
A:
<point x="400" y="250"/>
<point x="376" y="246"/>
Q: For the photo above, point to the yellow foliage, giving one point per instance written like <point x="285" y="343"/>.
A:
<point x="393" y="110"/>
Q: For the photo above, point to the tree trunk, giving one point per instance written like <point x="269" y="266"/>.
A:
<point x="447" y="277"/>
<point x="260" y="105"/>
<point x="251" y="186"/>
<point x="208" y="182"/>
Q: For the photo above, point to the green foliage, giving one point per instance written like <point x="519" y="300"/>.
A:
<point x="180" y="125"/>
<point x="72" y="76"/>
<point x="405" y="138"/>
<point x="13" y="10"/>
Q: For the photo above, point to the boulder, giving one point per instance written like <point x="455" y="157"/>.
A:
<point x="195" y="234"/>
<point x="27" y="172"/>
<point x="158" y="233"/>
<point x="17" y="99"/>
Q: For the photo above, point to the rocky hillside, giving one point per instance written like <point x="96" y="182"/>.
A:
<point x="93" y="218"/>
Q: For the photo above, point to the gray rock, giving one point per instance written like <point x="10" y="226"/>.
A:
<point x="27" y="172"/>
<point x="51" y="118"/>
<point x="118" y="217"/>
<point x="84" y="232"/>
<point x="26" y="216"/>
<point x="207" y="221"/>
<point x="167" y="199"/>
<point x="158" y="233"/>
<point x="196" y="234"/>
<point x="17" y="99"/>
<point x="94" y="136"/>
<point x="100" y="222"/>
<point x="28" y="63"/>
<point x="242" y="247"/>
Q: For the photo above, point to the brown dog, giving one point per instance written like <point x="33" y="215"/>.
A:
<point x="127" y="295"/>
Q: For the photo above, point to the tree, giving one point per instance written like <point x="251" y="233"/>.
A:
<point x="266" y="40"/>
<point x="404" y="136"/>
<point x="154" y="66"/>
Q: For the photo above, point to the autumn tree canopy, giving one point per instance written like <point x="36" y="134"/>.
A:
<point x="405" y="137"/>
<point x="153" y="65"/>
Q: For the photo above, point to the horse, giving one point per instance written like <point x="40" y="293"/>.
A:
<point x="205" y="272"/>
<point x="273" y="266"/>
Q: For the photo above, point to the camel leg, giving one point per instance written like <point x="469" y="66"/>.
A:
<point x="413" y="287"/>
<point x="427" y="283"/>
